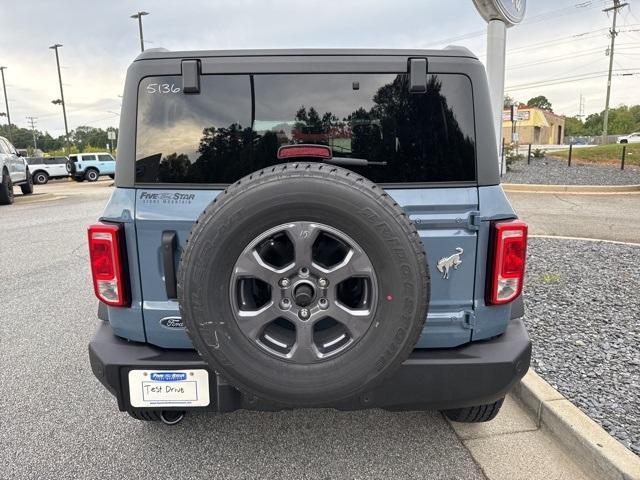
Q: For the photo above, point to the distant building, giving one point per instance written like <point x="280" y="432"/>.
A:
<point x="534" y="125"/>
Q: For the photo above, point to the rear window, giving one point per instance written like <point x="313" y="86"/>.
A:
<point x="105" y="158"/>
<point x="236" y="124"/>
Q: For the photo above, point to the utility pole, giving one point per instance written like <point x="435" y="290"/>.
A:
<point x="139" y="16"/>
<point x="64" y="109"/>
<point x="581" y="107"/>
<point x="32" y="122"/>
<point x="616" y="6"/>
<point x="6" y="102"/>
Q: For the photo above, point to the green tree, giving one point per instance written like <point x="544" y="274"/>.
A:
<point x="574" y="126"/>
<point x="508" y="101"/>
<point x="541" y="102"/>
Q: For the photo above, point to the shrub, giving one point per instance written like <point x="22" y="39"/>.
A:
<point x="538" y="153"/>
<point x="511" y="155"/>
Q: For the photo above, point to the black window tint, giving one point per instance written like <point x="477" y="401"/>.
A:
<point x="61" y="160"/>
<point x="33" y="161"/>
<point x="105" y="158"/>
<point x="50" y="161"/>
<point x="193" y="138"/>
<point x="88" y="158"/>
<point x="219" y="136"/>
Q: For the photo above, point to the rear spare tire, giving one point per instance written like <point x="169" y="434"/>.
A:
<point x="304" y="284"/>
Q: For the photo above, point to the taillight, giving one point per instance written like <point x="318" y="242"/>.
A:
<point x="304" y="150"/>
<point x="508" y="260"/>
<point x="107" y="256"/>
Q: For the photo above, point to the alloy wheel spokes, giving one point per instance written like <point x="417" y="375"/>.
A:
<point x="304" y="291"/>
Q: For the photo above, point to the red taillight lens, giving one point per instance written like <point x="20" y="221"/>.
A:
<point x="509" y="257"/>
<point x="106" y="253"/>
<point x="316" y="151"/>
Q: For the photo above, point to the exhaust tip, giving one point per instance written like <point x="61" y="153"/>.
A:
<point x="171" y="417"/>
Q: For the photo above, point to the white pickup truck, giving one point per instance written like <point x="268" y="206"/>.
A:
<point x="14" y="171"/>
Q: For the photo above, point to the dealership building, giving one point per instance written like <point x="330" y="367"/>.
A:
<point x="533" y="125"/>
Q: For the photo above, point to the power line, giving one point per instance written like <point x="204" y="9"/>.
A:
<point x="579" y="53"/>
<point x="572" y="78"/>
<point x="557" y="13"/>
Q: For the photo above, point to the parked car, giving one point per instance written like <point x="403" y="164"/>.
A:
<point x="90" y="166"/>
<point x="631" y="138"/>
<point x="13" y="171"/>
<point x="295" y="231"/>
<point x="45" y="168"/>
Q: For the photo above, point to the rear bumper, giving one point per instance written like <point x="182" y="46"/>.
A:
<point x="473" y="374"/>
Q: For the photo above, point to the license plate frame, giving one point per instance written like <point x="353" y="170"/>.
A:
<point x="169" y="388"/>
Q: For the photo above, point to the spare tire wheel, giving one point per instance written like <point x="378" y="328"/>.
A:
<point x="304" y="284"/>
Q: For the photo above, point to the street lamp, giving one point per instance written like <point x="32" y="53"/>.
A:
<point x="6" y="103"/>
<point x="139" y="16"/>
<point x="61" y="100"/>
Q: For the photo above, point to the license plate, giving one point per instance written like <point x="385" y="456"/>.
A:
<point x="169" y="388"/>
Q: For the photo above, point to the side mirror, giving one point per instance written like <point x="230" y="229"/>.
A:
<point x="19" y="154"/>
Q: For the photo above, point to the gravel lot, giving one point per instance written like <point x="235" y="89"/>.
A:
<point x="556" y="172"/>
<point x="583" y="314"/>
<point x="57" y="421"/>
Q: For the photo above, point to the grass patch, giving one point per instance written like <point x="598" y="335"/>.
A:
<point x="602" y="154"/>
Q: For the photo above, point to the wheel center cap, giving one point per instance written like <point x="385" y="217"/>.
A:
<point x="303" y="294"/>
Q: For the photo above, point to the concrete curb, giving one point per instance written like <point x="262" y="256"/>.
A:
<point x="587" y="442"/>
<point x="538" y="188"/>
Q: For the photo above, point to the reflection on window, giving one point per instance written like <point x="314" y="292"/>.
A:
<point x="226" y="132"/>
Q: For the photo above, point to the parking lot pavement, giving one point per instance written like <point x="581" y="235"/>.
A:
<point x="57" y="421"/>
<point x="603" y="216"/>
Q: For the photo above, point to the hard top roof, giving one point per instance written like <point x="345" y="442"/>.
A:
<point x="450" y="51"/>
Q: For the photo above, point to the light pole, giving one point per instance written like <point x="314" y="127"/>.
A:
<point x="499" y="14"/>
<point x="139" y="16"/>
<point x="6" y="103"/>
<point x="64" y="110"/>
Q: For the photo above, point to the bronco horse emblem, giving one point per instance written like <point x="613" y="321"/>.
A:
<point x="445" y="263"/>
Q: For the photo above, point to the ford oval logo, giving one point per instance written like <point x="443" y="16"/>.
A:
<point x="168" y="376"/>
<point x="172" y="322"/>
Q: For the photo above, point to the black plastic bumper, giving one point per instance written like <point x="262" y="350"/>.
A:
<point x="474" y="374"/>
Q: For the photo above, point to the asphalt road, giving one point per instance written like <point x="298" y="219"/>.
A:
<point x="57" y="421"/>
<point x="607" y="217"/>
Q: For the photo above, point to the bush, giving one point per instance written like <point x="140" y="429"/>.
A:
<point x="511" y="155"/>
<point x="538" y="153"/>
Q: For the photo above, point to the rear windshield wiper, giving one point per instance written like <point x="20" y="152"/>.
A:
<point x="352" y="162"/>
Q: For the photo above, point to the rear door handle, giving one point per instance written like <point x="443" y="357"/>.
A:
<point x="169" y="243"/>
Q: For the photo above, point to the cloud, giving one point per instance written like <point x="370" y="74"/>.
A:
<point x="100" y="40"/>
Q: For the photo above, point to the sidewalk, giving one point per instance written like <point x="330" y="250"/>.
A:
<point x="514" y="447"/>
<point x="540" y="435"/>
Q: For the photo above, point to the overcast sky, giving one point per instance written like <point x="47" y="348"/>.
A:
<point x="560" y="41"/>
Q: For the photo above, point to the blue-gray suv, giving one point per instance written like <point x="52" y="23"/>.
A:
<point x="91" y="166"/>
<point x="308" y="228"/>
